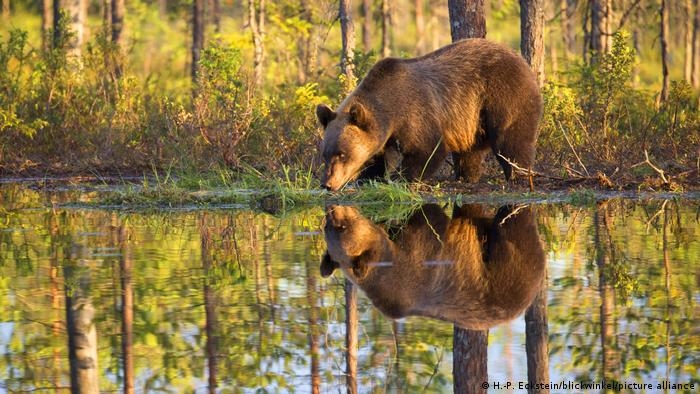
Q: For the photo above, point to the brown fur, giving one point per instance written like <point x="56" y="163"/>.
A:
<point x="464" y="98"/>
<point x="475" y="270"/>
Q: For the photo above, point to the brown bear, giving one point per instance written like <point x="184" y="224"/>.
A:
<point x="464" y="98"/>
<point x="475" y="270"/>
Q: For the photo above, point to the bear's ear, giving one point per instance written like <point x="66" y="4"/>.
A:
<point x="328" y="265"/>
<point x="324" y="114"/>
<point x="359" y="116"/>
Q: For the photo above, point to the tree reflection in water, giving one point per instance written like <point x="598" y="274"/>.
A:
<point x="229" y="299"/>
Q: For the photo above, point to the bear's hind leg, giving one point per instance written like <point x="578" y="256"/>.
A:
<point x="468" y="165"/>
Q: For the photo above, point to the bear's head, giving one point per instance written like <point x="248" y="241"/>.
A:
<point x="354" y="242"/>
<point x="351" y="138"/>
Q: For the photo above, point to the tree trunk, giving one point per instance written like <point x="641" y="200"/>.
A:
<point x="6" y="10"/>
<point x="568" y="9"/>
<point x="305" y="46"/>
<point x="80" y="326"/>
<point x="420" y="27"/>
<point x="347" y="29"/>
<point x="57" y="30"/>
<point x="386" y="28"/>
<point x="216" y="15"/>
<point x="537" y="340"/>
<point x="688" y="38"/>
<point x="532" y="35"/>
<point x="695" y="75"/>
<point x="366" y="25"/>
<point x="107" y="19"/>
<point x="351" y="338"/>
<point x="256" y="21"/>
<point x="313" y="327"/>
<point x="46" y="23"/>
<point x="210" y="302"/>
<point x="125" y="266"/>
<point x="664" y="50"/>
<point x="76" y="12"/>
<point x="197" y="37"/>
<point x="162" y="8"/>
<point x="469" y="360"/>
<point x="467" y="19"/>
<point x="610" y="360"/>
<point x="118" y="13"/>
<point x="597" y="34"/>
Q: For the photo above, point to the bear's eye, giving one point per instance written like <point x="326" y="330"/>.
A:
<point x="341" y="156"/>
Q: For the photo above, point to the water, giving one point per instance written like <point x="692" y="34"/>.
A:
<point x="234" y="300"/>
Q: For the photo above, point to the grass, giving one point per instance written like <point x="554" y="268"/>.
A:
<point x="298" y="189"/>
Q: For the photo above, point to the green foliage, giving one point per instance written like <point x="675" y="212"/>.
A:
<point x="604" y="81"/>
<point x="224" y="106"/>
<point x="600" y="121"/>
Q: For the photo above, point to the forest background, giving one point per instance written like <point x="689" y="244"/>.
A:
<point x="229" y="87"/>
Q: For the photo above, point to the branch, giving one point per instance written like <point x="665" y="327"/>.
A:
<point x="661" y="172"/>
<point x="513" y="213"/>
<point x="572" y="149"/>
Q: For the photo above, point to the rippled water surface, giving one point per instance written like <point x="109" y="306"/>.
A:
<point x="197" y="300"/>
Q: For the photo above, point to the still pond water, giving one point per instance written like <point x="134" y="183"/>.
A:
<point x="232" y="300"/>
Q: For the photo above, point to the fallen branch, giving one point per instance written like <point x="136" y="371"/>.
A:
<point x="528" y="172"/>
<point x="648" y="162"/>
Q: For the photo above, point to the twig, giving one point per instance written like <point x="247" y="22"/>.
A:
<point x="572" y="149"/>
<point x="519" y="169"/>
<point x="515" y="212"/>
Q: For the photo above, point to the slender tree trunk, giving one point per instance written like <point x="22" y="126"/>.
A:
<point x="256" y="21"/>
<point x="313" y="328"/>
<point x="80" y="326"/>
<point x="107" y="19"/>
<point x="469" y="360"/>
<point x="351" y="338"/>
<point x="163" y="8"/>
<point x="118" y="13"/>
<point x="568" y="9"/>
<point x="688" y="38"/>
<point x="386" y="28"/>
<point x="125" y="266"/>
<point x="695" y="75"/>
<point x="607" y="304"/>
<point x="532" y="35"/>
<point x="467" y="19"/>
<point x="46" y="23"/>
<point x="664" y="49"/>
<point x="597" y="34"/>
<point x="537" y="340"/>
<point x="306" y="48"/>
<point x="57" y="30"/>
<point x="6" y="10"/>
<point x="216" y="15"/>
<point x="197" y="37"/>
<point x="76" y="11"/>
<point x="347" y="29"/>
<point x="607" y="25"/>
<point x="420" y="27"/>
<point x="366" y="11"/>
<point x="210" y="321"/>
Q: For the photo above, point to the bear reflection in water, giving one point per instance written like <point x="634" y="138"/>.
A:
<point x="476" y="269"/>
